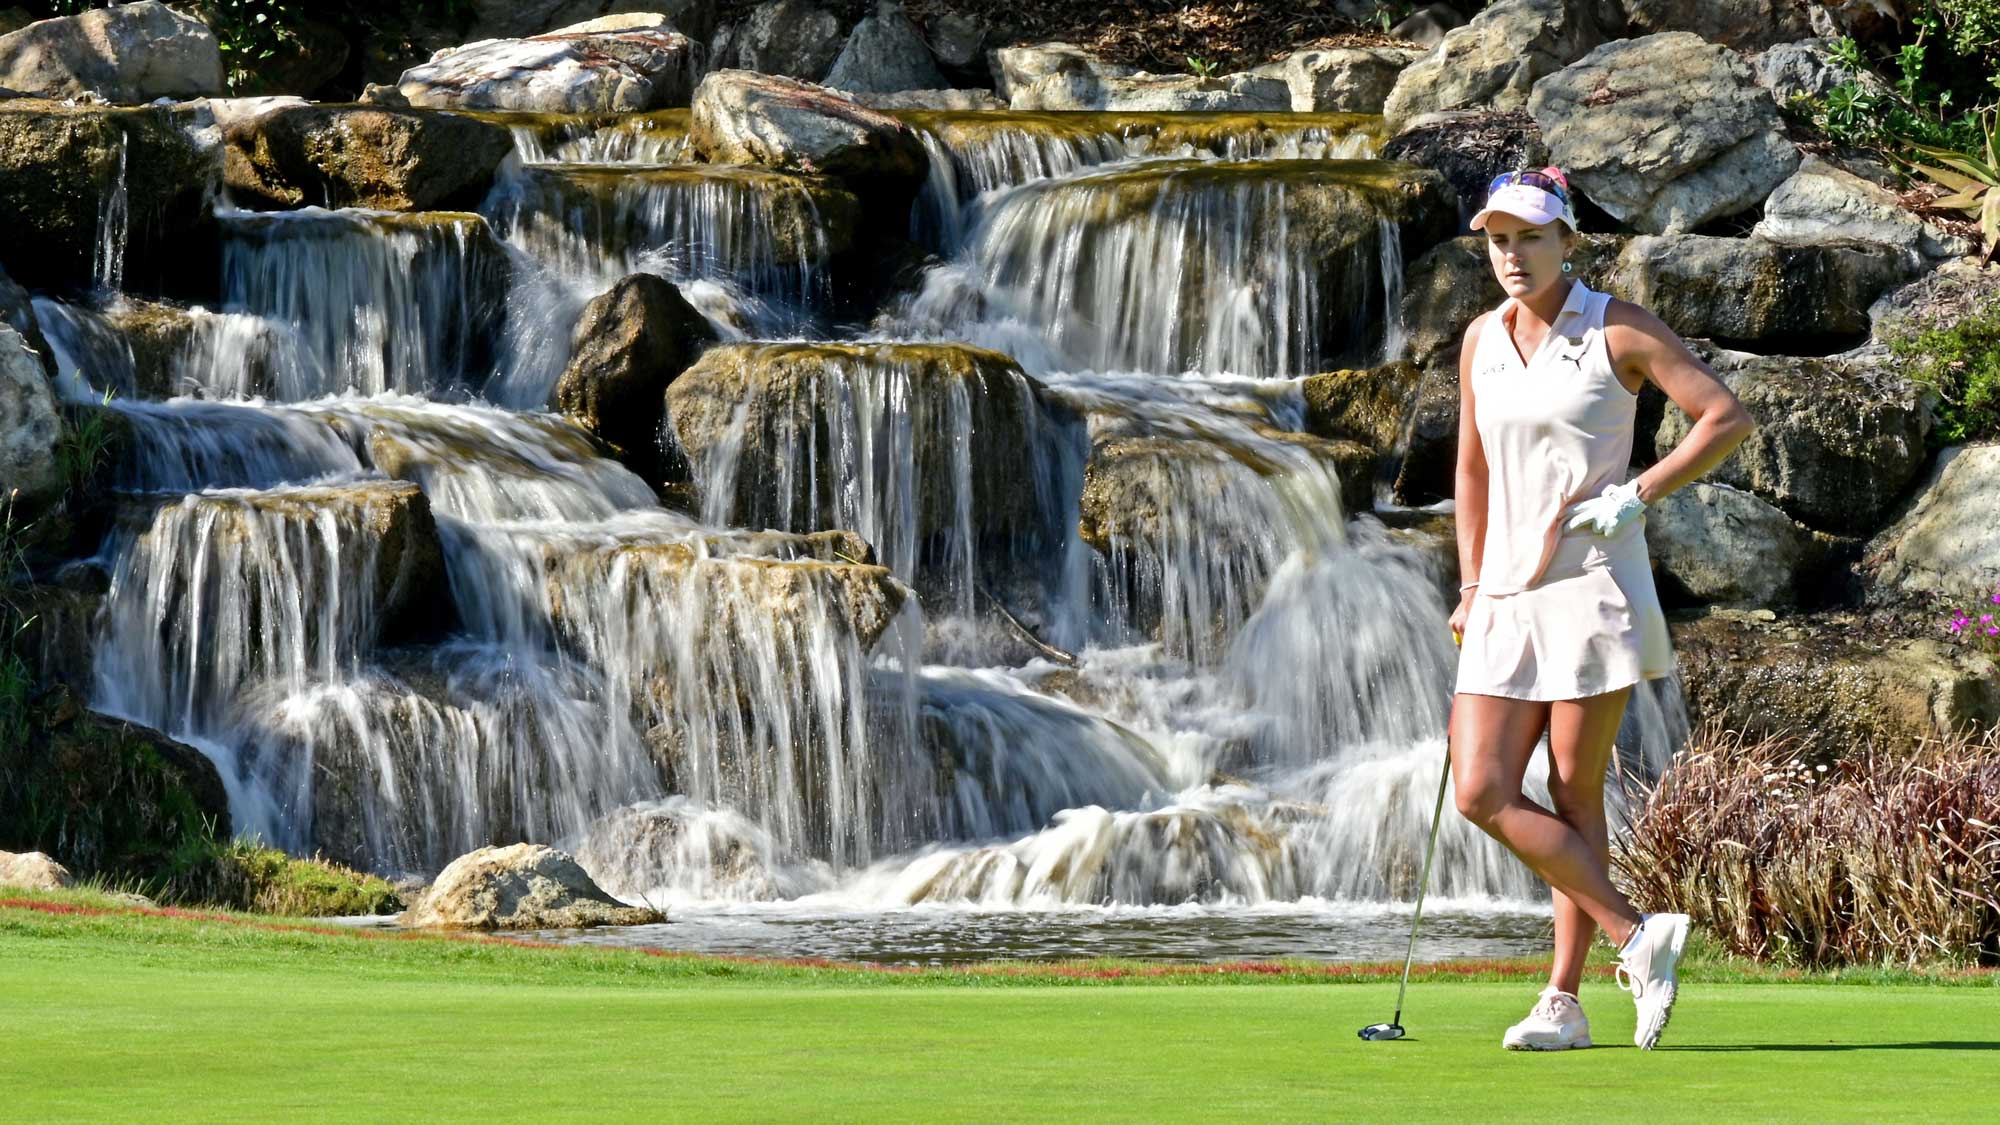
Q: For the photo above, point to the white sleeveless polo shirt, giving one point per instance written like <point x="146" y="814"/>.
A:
<point x="1558" y="614"/>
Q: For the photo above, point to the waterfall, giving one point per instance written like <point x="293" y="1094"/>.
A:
<point x="1025" y="592"/>
<point x="418" y="298"/>
<point x="107" y="259"/>
<point x="1262" y="268"/>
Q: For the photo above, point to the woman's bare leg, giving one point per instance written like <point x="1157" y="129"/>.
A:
<point x="1492" y="738"/>
<point x="1581" y="735"/>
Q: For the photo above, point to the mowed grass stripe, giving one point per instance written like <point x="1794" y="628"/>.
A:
<point x="101" y="1038"/>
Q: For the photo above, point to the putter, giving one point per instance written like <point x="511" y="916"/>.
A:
<point x="1394" y="1028"/>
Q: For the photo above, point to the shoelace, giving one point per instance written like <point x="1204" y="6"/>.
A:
<point x="1550" y="1006"/>
<point x="1628" y="982"/>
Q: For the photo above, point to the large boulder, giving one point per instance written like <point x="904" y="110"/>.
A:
<point x="1017" y="68"/>
<point x="1428" y="25"/>
<point x="61" y="168"/>
<point x="516" y="19"/>
<point x="632" y="341"/>
<point x="1836" y="681"/>
<point x="885" y="52"/>
<point x="1714" y="543"/>
<point x="520" y="887"/>
<point x="1757" y="295"/>
<point x="131" y="53"/>
<point x="1826" y="205"/>
<point x="103" y="796"/>
<point x="1945" y="542"/>
<point x="1366" y="404"/>
<point x="745" y="118"/>
<point x="1495" y="60"/>
<point x="1709" y="142"/>
<point x="30" y="430"/>
<point x="33" y="871"/>
<point x="17" y="311"/>
<point x="792" y="38"/>
<point x="790" y="415"/>
<point x="1747" y="25"/>
<point x="1806" y="69"/>
<point x="618" y="68"/>
<point x="1342" y="79"/>
<point x="349" y="156"/>
<point x="1468" y="148"/>
<point x="1837" y="440"/>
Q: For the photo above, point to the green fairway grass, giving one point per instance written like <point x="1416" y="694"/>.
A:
<point x="116" y="1014"/>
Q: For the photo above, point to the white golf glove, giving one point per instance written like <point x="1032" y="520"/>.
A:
<point x="1616" y="506"/>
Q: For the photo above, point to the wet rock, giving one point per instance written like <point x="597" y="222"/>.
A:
<point x="1153" y="93"/>
<point x="1428" y="471"/>
<point x="677" y="843"/>
<point x="794" y="398"/>
<point x="30" y="431"/>
<point x="1493" y="61"/>
<point x="885" y="52"/>
<point x="1718" y="544"/>
<point x="578" y="69"/>
<point x="1944" y="543"/>
<point x="1341" y="80"/>
<point x="1838" y="681"/>
<point x="630" y="344"/>
<point x="1469" y="148"/>
<point x="520" y="887"/>
<point x="1746" y="25"/>
<point x="1712" y="144"/>
<point x="1823" y="205"/>
<point x="33" y="871"/>
<point x="745" y="118"/>
<point x="1361" y="404"/>
<point x="131" y="53"/>
<point x="1837" y="440"/>
<point x="791" y="38"/>
<point x="742" y="592"/>
<point x="946" y="100"/>
<point x="60" y="166"/>
<point x="1133" y="483"/>
<point x="344" y="156"/>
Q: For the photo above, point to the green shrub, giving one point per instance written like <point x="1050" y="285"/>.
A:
<point x="243" y="875"/>
<point x="1961" y="362"/>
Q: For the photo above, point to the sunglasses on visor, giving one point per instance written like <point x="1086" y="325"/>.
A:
<point x="1541" y="180"/>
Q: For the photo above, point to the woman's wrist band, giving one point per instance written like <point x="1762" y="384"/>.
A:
<point x="1467" y="586"/>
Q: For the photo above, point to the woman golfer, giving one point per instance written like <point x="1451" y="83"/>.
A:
<point x="1558" y="617"/>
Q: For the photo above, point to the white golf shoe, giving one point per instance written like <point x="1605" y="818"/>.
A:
<point x="1646" y="970"/>
<point x="1557" y="1023"/>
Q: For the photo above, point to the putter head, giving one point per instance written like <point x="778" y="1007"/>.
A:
<point x="1381" y="1031"/>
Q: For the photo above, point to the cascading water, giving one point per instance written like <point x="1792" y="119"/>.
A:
<point x="1026" y="618"/>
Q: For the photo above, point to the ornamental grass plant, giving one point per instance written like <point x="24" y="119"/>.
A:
<point x="1877" y="857"/>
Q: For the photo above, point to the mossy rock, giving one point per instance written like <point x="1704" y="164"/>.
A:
<point x="102" y="795"/>
<point x="362" y="156"/>
<point x="58" y="166"/>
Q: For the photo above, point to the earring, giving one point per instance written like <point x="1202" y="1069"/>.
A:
<point x="1565" y="267"/>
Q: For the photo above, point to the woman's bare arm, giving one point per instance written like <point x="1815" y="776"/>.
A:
<point x="1646" y="348"/>
<point x="1469" y="491"/>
